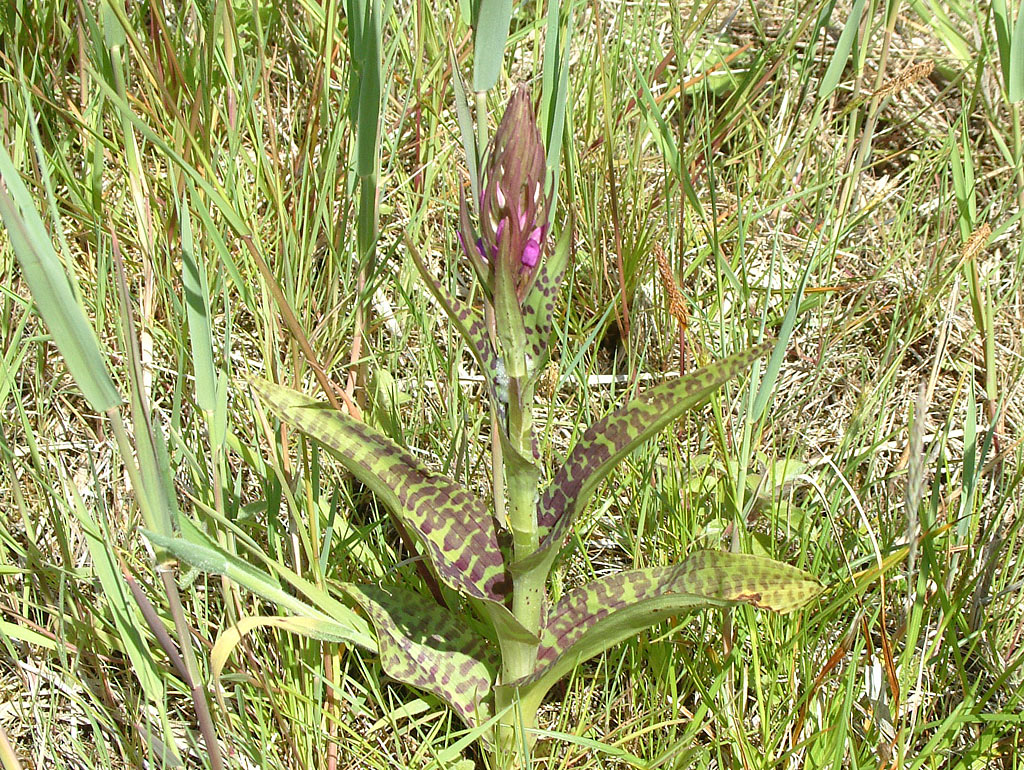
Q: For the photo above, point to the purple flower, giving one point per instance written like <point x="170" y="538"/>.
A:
<point x="513" y="207"/>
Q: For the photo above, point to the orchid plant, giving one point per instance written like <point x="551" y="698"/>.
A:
<point x="500" y="645"/>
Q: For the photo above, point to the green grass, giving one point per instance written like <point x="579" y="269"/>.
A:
<point x="771" y="166"/>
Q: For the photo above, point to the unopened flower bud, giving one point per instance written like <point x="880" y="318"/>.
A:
<point x="513" y="207"/>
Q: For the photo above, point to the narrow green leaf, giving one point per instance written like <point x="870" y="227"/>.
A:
<point x="662" y="132"/>
<point x="316" y="595"/>
<point x="1015" y="65"/>
<point x="217" y="196"/>
<point x="426" y="646"/>
<point x="1004" y="36"/>
<point x="771" y="372"/>
<point x="25" y="634"/>
<point x="491" y="35"/>
<point x="197" y="310"/>
<point x="614" y="436"/>
<point x="219" y="423"/>
<point x="453" y="524"/>
<point x="466" y="132"/>
<point x="841" y="55"/>
<point x="312" y="628"/>
<point x="554" y="89"/>
<point x="935" y="15"/>
<point x="122" y="605"/>
<point x="44" y="273"/>
<point x="470" y="327"/>
<point x="365" y="81"/>
<point x="217" y="244"/>
<point x="603" y="613"/>
<point x="199" y="551"/>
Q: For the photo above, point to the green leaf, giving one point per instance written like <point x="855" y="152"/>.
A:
<point x="470" y="326"/>
<point x="771" y="371"/>
<point x="844" y="46"/>
<point x="603" y="613"/>
<point x="216" y="195"/>
<point x="453" y="524"/>
<point x="200" y="551"/>
<point x="614" y="436"/>
<point x="426" y="646"/>
<point x="554" y="88"/>
<point x="25" y="634"/>
<point x="539" y="304"/>
<point x="935" y="14"/>
<point x="312" y="628"/>
<point x="491" y="35"/>
<point x="1015" y="61"/>
<point x="365" y="81"/>
<point x="197" y="308"/>
<point x="1004" y="36"/>
<point x="466" y="132"/>
<point x="51" y="291"/>
<point x="122" y="605"/>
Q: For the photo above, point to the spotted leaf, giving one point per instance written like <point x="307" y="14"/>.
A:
<point x="452" y="523"/>
<point x="539" y="305"/>
<point x="591" y="619"/>
<point x="424" y="645"/>
<point x="614" y="436"/>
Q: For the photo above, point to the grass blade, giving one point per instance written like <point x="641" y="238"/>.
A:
<point x="493" y="17"/>
<point x="841" y="55"/>
<point x="197" y="308"/>
<point x="43" y="271"/>
<point x="1015" y="61"/>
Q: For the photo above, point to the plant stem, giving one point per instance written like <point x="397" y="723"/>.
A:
<point x="520" y="658"/>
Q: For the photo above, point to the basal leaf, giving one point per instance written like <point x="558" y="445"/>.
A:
<point x="589" y="620"/>
<point x="454" y="525"/>
<point x="426" y="646"/>
<point x="614" y="436"/>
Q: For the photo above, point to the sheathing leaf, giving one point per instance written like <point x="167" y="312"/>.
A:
<point x="589" y="620"/>
<point x="452" y="523"/>
<point x="426" y="646"/>
<point x="539" y="305"/>
<point x="614" y="436"/>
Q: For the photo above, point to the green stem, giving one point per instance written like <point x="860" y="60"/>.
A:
<point x="520" y="658"/>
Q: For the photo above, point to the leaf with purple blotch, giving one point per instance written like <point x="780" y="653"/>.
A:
<point x="539" y="304"/>
<point x="426" y="646"/>
<point x="454" y="525"/>
<point x="611" y="438"/>
<point x="591" y="619"/>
